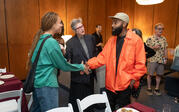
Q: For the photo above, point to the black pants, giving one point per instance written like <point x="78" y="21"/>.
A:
<point x="119" y="99"/>
<point x="80" y="91"/>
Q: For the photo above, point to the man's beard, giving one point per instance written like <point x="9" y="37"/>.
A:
<point x="117" y="31"/>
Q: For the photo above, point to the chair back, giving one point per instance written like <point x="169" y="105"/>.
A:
<point x="2" y="70"/>
<point x="13" y="94"/>
<point x="30" y="95"/>
<point x="62" y="109"/>
<point x="177" y="51"/>
<point x="94" y="99"/>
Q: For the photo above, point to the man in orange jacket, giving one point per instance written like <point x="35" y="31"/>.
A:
<point x="124" y="57"/>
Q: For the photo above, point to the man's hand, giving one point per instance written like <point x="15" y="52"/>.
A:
<point x="132" y="83"/>
<point x="165" y="60"/>
<point x="86" y="70"/>
<point x="99" y="44"/>
<point x="156" y="47"/>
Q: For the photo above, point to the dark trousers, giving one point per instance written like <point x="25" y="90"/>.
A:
<point x="119" y="99"/>
<point x="80" y="91"/>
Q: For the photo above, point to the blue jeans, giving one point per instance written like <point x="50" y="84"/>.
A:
<point x="44" y="99"/>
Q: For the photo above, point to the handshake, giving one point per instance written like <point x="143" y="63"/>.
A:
<point x="87" y="70"/>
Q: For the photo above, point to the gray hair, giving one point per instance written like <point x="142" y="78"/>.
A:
<point x="74" y="22"/>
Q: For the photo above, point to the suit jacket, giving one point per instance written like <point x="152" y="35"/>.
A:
<point x="76" y="54"/>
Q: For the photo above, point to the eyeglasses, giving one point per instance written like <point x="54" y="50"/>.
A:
<point x="79" y="27"/>
<point x="160" y="28"/>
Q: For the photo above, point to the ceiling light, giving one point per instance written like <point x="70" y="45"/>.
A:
<point x="149" y="2"/>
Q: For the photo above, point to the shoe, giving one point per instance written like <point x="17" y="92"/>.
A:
<point x="157" y="92"/>
<point x="176" y="100"/>
<point x="149" y="92"/>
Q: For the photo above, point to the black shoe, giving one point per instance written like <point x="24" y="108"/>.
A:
<point x="149" y="92"/>
<point x="157" y="92"/>
<point x="176" y="100"/>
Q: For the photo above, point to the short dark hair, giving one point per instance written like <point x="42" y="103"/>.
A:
<point x="138" y="32"/>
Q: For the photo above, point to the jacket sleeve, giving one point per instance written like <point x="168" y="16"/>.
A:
<point x="60" y="62"/>
<point x="100" y="60"/>
<point x="140" y="60"/>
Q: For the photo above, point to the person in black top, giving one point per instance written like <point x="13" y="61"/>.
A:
<point x="149" y="51"/>
<point x="60" y="40"/>
<point x="98" y="40"/>
<point x="80" y="48"/>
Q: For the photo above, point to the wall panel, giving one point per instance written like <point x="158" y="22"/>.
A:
<point x="96" y="15"/>
<point x="143" y="19"/>
<point x="128" y="7"/>
<point x="177" y="29"/>
<point x="3" y="38"/>
<point x="22" y="24"/>
<point x="58" y="6"/>
<point x="177" y="36"/>
<point x="166" y="13"/>
<point x="75" y="9"/>
<point x="112" y="7"/>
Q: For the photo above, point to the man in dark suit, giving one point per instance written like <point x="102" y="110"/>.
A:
<point x="80" y="48"/>
<point x="98" y="39"/>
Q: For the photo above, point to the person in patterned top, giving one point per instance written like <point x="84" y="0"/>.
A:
<point x="156" y="63"/>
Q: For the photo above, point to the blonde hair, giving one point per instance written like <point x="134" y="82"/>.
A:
<point x="47" y="21"/>
<point x="158" y="24"/>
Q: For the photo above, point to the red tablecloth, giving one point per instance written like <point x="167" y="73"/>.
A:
<point x="141" y="107"/>
<point x="14" y="84"/>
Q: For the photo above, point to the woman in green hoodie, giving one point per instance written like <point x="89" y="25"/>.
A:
<point x="45" y="94"/>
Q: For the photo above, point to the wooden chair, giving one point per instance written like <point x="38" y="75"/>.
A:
<point x="94" y="99"/>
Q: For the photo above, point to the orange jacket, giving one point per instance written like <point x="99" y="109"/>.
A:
<point x="131" y="62"/>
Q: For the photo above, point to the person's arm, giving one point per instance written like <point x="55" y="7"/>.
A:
<point x="165" y="47"/>
<point x="140" y="60"/>
<point x="60" y="62"/>
<point x="99" y="44"/>
<point x="166" y="51"/>
<point x="97" y="62"/>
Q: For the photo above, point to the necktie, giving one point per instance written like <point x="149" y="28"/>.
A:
<point x="84" y="46"/>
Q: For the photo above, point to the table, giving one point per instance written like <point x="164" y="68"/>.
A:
<point x="140" y="107"/>
<point x="14" y="84"/>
